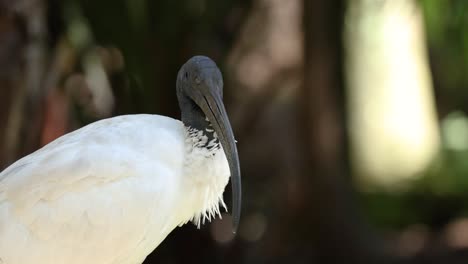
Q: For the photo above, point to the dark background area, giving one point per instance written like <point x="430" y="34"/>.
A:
<point x="66" y="63"/>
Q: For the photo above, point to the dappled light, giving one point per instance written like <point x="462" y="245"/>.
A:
<point x="393" y="127"/>
<point x="455" y="131"/>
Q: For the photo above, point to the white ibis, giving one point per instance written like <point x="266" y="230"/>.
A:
<point x="110" y="192"/>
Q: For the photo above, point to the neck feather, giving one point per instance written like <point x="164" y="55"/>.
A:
<point x="197" y="122"/>
<point x="207" y="174"/>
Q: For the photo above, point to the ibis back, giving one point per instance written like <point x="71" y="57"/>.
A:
<point x="104" y="194"/>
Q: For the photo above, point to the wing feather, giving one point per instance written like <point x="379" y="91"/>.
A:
<point x="92" y="195"/>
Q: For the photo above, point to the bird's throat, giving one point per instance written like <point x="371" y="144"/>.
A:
<point x="203" y="138"/>
<point x="199" y="127"/>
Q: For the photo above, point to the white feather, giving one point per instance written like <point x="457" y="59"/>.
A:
<point x="109" y="192"/>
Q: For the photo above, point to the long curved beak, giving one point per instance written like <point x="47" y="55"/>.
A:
<point x="213" y="107"/>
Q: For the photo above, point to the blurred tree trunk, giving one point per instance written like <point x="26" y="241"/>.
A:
<point x="337" y="232"/>
<point x="11" y="47"/>
<point x="23" y="62"/>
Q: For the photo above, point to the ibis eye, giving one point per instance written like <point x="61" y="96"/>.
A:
<point x="186" y="76"/>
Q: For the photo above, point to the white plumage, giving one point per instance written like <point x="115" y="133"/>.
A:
<point x="109" y="192"/>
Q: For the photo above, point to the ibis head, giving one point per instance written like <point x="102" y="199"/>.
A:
<point x="200" y="95"/>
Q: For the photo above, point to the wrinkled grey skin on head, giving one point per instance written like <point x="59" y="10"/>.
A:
<point x="200" y="95"/>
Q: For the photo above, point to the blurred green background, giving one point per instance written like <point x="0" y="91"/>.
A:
<point x="351" y="116"/>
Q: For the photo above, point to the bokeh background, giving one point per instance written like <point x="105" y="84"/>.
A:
<point x="351" y="116"/>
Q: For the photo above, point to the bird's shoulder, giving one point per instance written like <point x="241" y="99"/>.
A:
<point x="127" y="132"/>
